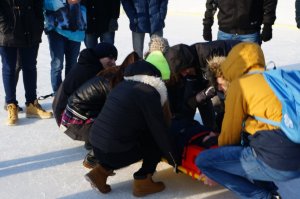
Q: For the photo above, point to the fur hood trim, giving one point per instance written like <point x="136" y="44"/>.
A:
<point x="155" y="82"/>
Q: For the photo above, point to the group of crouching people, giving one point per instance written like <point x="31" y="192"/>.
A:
<point x="144" y="109"/>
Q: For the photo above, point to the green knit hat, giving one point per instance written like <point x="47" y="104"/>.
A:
<point x="157" y="59"/>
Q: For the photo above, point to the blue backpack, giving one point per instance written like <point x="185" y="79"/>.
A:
<point x="286" y="86"/>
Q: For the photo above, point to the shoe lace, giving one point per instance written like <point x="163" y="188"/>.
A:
<point x="38" y="106"/>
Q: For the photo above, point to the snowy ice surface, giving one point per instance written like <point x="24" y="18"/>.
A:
<point x="37" y="161"/>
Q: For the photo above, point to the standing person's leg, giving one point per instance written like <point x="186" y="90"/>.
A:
<point x="8" y="57"/>
<point x="72" y="49"/>
<point x="90" y="40"/>
<point x="236" y="168"/>
<point x="108" y="37"/>
<point x="138" y="43"/>
<point x="159" y="33"/>
<point x="28" y="57"/>
<point x="56" y="46"/>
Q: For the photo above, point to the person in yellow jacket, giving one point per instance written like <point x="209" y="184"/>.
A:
<point x="251" y="154"/>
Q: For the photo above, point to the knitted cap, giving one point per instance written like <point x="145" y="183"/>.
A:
<point x="158" y="43"/>
<point x="157" y="59"/>
<point x="104" y="49"/>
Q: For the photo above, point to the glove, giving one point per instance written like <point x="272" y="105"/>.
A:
<point x="207" y="36"/>
<point x="266" y="33"/>
<point x="202" y="96"/>
<point x="205" y="94"/>
<point x="113" y="25"/>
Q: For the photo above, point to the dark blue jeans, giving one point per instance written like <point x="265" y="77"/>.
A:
<point x="238" y="169"/>
<point x="255" y="37"/>
<point x="91" y="40"/>
<point x="27" y="59"/>
<point x="60" y="48"/>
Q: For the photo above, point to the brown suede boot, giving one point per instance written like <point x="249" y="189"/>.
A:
<point x="143" y="187"/>
<point x="98" y="176"/>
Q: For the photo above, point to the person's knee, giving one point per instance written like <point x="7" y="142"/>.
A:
<point x="203" y="161"/>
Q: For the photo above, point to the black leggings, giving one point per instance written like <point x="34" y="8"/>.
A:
<point x="146" y="149"/>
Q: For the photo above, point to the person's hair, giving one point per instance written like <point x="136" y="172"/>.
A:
<point x="213" y="70"/>
<point x="116" y="74"/>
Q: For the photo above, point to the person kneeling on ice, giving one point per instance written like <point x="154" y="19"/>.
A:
<point x="251" y="154"/>
<point x="132" y="126"/>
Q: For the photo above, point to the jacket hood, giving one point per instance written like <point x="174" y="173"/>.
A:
<point x="243" y="58"/>
<point x="179" y="57"/>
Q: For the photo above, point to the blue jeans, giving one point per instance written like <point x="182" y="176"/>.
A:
<point x="138" y="41"/>
<point x="61" y="47"/>
<point x="91" y="40"/>
<point x="255" y="37"/>
<point x="238" y="169"/>
<point x="27" y="58"/>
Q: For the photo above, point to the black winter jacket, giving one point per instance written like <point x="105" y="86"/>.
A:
<point x="134" y="106"/>
<point x="88" y="66"/>
<point x="89" y="98"/>
<point x="21" y="22"/>
<point x="99" y="14"/>
<point x="240" y="16"/>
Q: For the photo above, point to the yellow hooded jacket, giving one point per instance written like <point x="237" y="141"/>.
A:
<point x="248" y="94"/>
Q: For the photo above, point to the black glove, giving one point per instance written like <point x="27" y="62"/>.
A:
<point x="266" y="33"/>
<point x="207" y="36"/>
<point x="202" y="96"/>
<point x="208" y="93"/>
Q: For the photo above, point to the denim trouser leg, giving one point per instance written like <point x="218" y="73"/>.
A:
<point x="27" y="57"/>
<point x="90" y="40"/>
<point x="60" y="46"/>
<point x="9" y="57"/>
<point x="138" y="42"/>
<point x="255" y="37"/>
<point x="72" y="49"/>
<point x="108" y="37"/>
<point x="235" y="167"/>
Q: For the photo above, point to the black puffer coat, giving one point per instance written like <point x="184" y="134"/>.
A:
<point x="134" y="106"/>
<point x="88" y="66"/>
<point x="21" y="22"/>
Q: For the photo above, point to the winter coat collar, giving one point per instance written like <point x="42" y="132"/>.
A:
<point x="155" y="82"/>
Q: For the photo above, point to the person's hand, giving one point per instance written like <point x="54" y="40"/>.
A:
<point x="266" y="33"/>
<point x="73" y="1"/>
<point x="205" y="94"/>
<point x="207" y="181"/>
<point x="207" y="36"/>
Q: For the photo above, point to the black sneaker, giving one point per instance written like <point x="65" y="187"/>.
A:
<point x="90" y="160"/>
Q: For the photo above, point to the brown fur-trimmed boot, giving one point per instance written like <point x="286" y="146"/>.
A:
<point x="98" y="176"/>
<point x="143" y="187"/>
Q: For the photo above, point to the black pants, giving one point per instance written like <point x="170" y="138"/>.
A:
<point x="146" y="149"/>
